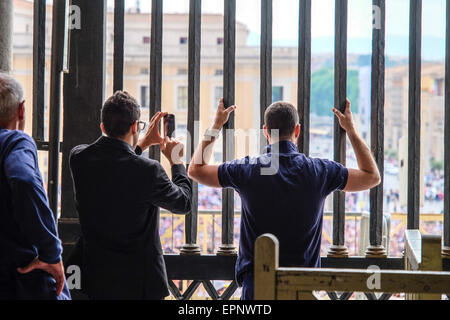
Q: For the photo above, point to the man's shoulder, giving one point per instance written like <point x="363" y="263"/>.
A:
<point x="11" y="139"/>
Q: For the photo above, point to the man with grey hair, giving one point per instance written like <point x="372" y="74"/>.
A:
<point x="31" y="267"/>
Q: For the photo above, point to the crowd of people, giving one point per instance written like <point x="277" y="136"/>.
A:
<point x="209" y="225"/>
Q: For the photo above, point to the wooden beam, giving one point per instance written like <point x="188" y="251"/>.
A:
<point x="357" y="281"/>
<point x="266" y="266"/>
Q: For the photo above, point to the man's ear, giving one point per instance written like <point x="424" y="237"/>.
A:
<point x="103" y="128"/>
<point x="134" y="128"/>
<point x="21" y="112"/>
<point x="266" y="133"/>
<point x="297" y="131"/>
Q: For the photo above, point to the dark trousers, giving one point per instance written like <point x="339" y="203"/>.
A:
<point x="36" y="285"/>
<point x="248" y="286"/>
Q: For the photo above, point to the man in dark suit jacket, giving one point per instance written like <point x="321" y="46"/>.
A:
<point x="117" y="193"/>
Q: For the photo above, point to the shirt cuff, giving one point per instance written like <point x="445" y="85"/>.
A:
<point x="49" y="260"/>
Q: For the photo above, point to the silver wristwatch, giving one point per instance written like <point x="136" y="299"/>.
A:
<point x="211" y="133"/>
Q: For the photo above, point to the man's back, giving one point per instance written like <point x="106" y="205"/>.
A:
<point x="27" y="225"/>
<point x="288" y="204"/>
<point x="117" y="195"/>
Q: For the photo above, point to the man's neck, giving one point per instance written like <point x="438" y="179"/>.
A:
<point x="8" y="125"/>
<point x="128" y="140"/>
<point x="282" y="140"/>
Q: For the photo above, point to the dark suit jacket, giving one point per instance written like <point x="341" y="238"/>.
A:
<point x="117" y="194"/>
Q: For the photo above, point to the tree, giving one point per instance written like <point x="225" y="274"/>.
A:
<point x="322" y="91"/>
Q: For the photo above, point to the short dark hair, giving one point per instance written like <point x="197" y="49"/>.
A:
<point x="281" y="116"/>
<point x="118" y="114"/>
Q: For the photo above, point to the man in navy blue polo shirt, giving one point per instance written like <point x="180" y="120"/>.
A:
<point x="31" y="266"/>
<point x="283" y="192"/>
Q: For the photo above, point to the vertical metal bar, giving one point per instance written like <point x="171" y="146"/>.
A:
<point x="58" y="36"/>
<point x="266" y="62"/>
<point x="338" y="249"/>
<point x="446" y="249"/>
<point x="6" y="34"/>
<point x="415" y="66"/>
<point x="119" y="40"/>
<point x="229" y="78"/>
<point x="83" y="89"/>
<point x="304" y="75"/>
<point x="156" y="66"/>
<point x="40" y="17"/>
<point x="195" y="20"/>
<point x="376" y="248"/>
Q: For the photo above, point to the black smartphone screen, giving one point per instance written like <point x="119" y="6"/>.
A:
<point x="169" y="125"/>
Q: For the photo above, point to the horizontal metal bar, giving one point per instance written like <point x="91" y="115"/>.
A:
<point x="45" y="145"/>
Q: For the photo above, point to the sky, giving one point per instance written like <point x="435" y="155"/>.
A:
<point x="286" y="16"/>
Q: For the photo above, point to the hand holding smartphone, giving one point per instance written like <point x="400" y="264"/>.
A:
<point x="169" y="125"/>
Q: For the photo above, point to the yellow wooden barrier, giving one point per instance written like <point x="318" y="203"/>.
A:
<point x="275" y="283"/>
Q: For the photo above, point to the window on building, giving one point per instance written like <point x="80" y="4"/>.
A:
<point x="182" y="72"/>
<point x="146" y="40"/>
<point x="145" y="103"/>
<point x="183" y="40"/>
<point x="144" y="70"/>
<point x="219" y="41"/>
<point x="277" y="94"/>
<point x="219" y="72"/>
<point x="182" y="98"/>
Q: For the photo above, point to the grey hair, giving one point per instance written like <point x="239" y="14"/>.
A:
<point x="11" y="96"/>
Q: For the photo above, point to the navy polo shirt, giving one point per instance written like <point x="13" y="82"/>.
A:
<point x="286" y="201"/>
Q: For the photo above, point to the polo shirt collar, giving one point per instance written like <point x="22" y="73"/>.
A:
<point x="283" y="147"/>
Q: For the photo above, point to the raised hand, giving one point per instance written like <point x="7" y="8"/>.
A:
<point x="152" y="137"/>
<point x="346" y="119"/>
<point x="222" y="115"/>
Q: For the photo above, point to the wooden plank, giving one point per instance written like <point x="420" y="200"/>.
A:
<point x="414" y="117"/>
<point x="156" y="67"/>
<point x="39" y="20"/>
<point x="304" y="75"/>
<point x="356" y="281"/>
<point x="119" y="43"/>
<point x="266" y="266"/>
<point x="413" y="249"/>
<point x="377" y="130"/>
<point x="431" y="260"/>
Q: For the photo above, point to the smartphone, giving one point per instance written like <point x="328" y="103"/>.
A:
<point x="169" y="125"/>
